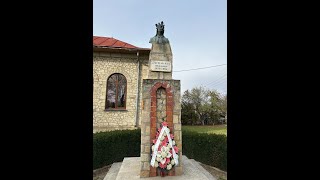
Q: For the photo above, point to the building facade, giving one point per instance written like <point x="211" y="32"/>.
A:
<point x="118" y="70"/>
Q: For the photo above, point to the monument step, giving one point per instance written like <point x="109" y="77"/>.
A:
<point x="205" y="172"/>
<point x="130" y="169"/>
<point x="113" y="171"/>
<point x="194" y="167"/>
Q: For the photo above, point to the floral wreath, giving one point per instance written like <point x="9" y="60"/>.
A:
<point x="165" y="156"/>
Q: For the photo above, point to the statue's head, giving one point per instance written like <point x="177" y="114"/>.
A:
<point x="160" y="29"/>
<point x="159" y="37"/>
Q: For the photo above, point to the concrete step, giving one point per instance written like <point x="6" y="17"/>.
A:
<point x="130" y="169"/>
<point x="194" y="167"/>
<point x="205" y="172"/>
<point x="113" y="171"/>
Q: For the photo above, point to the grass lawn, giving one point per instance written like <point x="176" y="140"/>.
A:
<point x="217" y="129"/>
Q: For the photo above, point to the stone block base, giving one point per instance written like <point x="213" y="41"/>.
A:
<point x="130" y="169"/>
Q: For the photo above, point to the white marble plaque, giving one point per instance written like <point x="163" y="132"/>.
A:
<point x="164" y="66"/>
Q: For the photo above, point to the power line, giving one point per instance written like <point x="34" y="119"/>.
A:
<point x="217" y="84"/>
<point x="201" y="68"/>
<point x="216" y="80"/>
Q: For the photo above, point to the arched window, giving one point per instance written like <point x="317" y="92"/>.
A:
<point x="116" y="92"/>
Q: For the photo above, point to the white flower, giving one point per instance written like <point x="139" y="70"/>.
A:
<point x="168" y="155"/>
<point x="152" y="148"/>
<point x="163" y="161"/>
<point x="169" y="145"/>
<point x="172" y="162"/>
<point x="162" y="149"/>
<point x="169" y="166"/>
<point x="162" y="138"/>
<point x="159" y="154"/>
<point x="156" y="164"/>
<point x="164" y="134"/>
<point x="173" y="142"/>
<point x="167" y="149"/>
<point x="158" y="159"/>
<point x="163" y="154"/>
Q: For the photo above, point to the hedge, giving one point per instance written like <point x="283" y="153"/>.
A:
<point x="113" y="146"/>
<point x="210" y="149"/>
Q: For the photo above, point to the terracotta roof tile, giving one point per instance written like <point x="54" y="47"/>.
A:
<point x="112" y="42"/>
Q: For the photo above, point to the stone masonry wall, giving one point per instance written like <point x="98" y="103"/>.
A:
<point x="161" y="106"/>
<point x="144" y="73"/>
<point x="104" y="65"/>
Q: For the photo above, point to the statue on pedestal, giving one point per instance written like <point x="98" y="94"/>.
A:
<point x="159" y="37"/>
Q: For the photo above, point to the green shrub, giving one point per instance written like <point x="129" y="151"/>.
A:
<point x="113" y="146"/>
<point x="210" y="149"/>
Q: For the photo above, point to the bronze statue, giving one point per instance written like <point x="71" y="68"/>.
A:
<point x="160" y="29"/>
<point x="159" y="37"/>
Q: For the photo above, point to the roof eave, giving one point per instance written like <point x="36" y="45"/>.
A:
<point x="124" y="50"/>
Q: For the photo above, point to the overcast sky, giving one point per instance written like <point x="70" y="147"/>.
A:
<point x="196" y="29"/>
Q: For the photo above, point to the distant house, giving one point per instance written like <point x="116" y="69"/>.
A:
<point x="118" y="70"/>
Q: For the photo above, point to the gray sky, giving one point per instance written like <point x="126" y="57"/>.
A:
<point x="196" y="29"/>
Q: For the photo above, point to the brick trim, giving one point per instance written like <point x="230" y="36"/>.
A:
<point x="153" y="117"/>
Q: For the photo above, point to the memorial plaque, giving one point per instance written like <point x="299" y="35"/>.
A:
<point x="164" y="66"/>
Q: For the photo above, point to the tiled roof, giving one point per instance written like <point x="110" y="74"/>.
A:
<point x="112" y="43"/>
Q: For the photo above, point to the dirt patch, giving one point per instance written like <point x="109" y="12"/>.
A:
<point x="219" y="174"/>
<point x="99" y="174"/>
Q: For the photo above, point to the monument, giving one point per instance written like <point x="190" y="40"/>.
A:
<point x="160" y="103"/>
<point x="161" y="110"/>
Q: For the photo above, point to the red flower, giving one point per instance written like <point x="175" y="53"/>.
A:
<point x="163" y="165"/>
<point x="166" y="139"/>
<point x="176" y="149"/>
<point x="171" y="136"/>
<point x="164" y="143"/>
<point x="154" y="141"/>
<point x="164" y="124"/>
<point x="168" y="160"/>
<point x="159" y="148"/>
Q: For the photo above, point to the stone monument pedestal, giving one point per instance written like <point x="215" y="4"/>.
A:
<point x="160" y="98"/>
<point x="130" y="169"/>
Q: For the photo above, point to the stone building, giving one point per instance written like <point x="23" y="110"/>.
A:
<point x="118" y="70"/>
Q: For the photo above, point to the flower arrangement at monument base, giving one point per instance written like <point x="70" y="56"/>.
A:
<point x="164" y="150"/>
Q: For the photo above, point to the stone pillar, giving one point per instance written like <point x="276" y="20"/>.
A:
<point x="151" y="120"/>
<point x="160" y="61"/>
